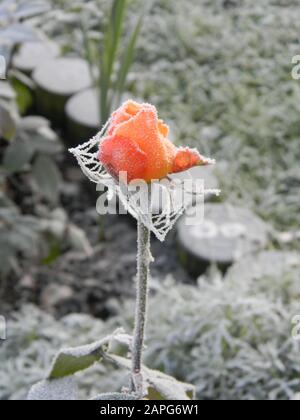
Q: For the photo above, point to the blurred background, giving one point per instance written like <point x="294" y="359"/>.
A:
<point x="223" y="295"/>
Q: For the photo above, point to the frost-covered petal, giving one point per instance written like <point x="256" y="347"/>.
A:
<point x="120" y="154"/>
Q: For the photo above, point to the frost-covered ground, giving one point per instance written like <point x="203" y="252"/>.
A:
<point x="231" y="339"/>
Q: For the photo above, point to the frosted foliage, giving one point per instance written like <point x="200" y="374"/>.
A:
<point x="76" y="359"/>
<point x="114" y="396"/>
<point x="173" y="197"/>
<point x="57" y="390"/>
<point x="35" y="337"/>
<point x="159" y="385"/>
<point x="232" y="339"/>
<point x="169" y="388"/>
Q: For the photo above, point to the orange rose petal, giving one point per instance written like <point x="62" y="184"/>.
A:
<point x="185" y="159"/>
<point x="163" y="128"/>
<point x="143" y="130"/>
<point x="124" y="113"/>
<point x="117" y="119"/>
<point x="119" y="154"/>
<point x="132" y="107"/>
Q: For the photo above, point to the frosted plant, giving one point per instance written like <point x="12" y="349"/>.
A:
<point x="132" y="155"/>
<point x="231" y="339"/>
<point x="173" y="194"/>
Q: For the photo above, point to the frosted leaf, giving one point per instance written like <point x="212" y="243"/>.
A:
<point x="115" y="396"/>
<point x="141" y="202"/>
<point x="72" y="360"/>
<point x="120" y="338"/>
<point x="159" y="385"/>
<point x="54" y="390"/>
<point x="60" y="383"/>
<point x="169" y="388"/>
<point x="79" y="240"/>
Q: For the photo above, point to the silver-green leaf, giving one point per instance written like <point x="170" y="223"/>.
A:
<point x="8" y="121"/>
<point x="72" y="360"/>
<point x="17" y="155"/>
<point x="159" y="385"/>
<point x="54" y="390"/>
<point x="47" y="177"/>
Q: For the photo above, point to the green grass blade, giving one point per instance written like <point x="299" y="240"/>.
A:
<point x="111" y="43"/>
<point x="88" y="53"/>
<point x="127" y="60"/>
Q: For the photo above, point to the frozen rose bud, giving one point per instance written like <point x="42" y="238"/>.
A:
<point x="137" y="143"/>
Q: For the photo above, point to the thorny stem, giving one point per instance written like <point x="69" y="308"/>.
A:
<point x="143" y="263"/>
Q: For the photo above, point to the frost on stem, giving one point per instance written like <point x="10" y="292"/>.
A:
<point x="143" y="270"/>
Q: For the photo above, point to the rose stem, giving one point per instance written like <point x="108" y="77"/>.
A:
<point x="143" y="270"/>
